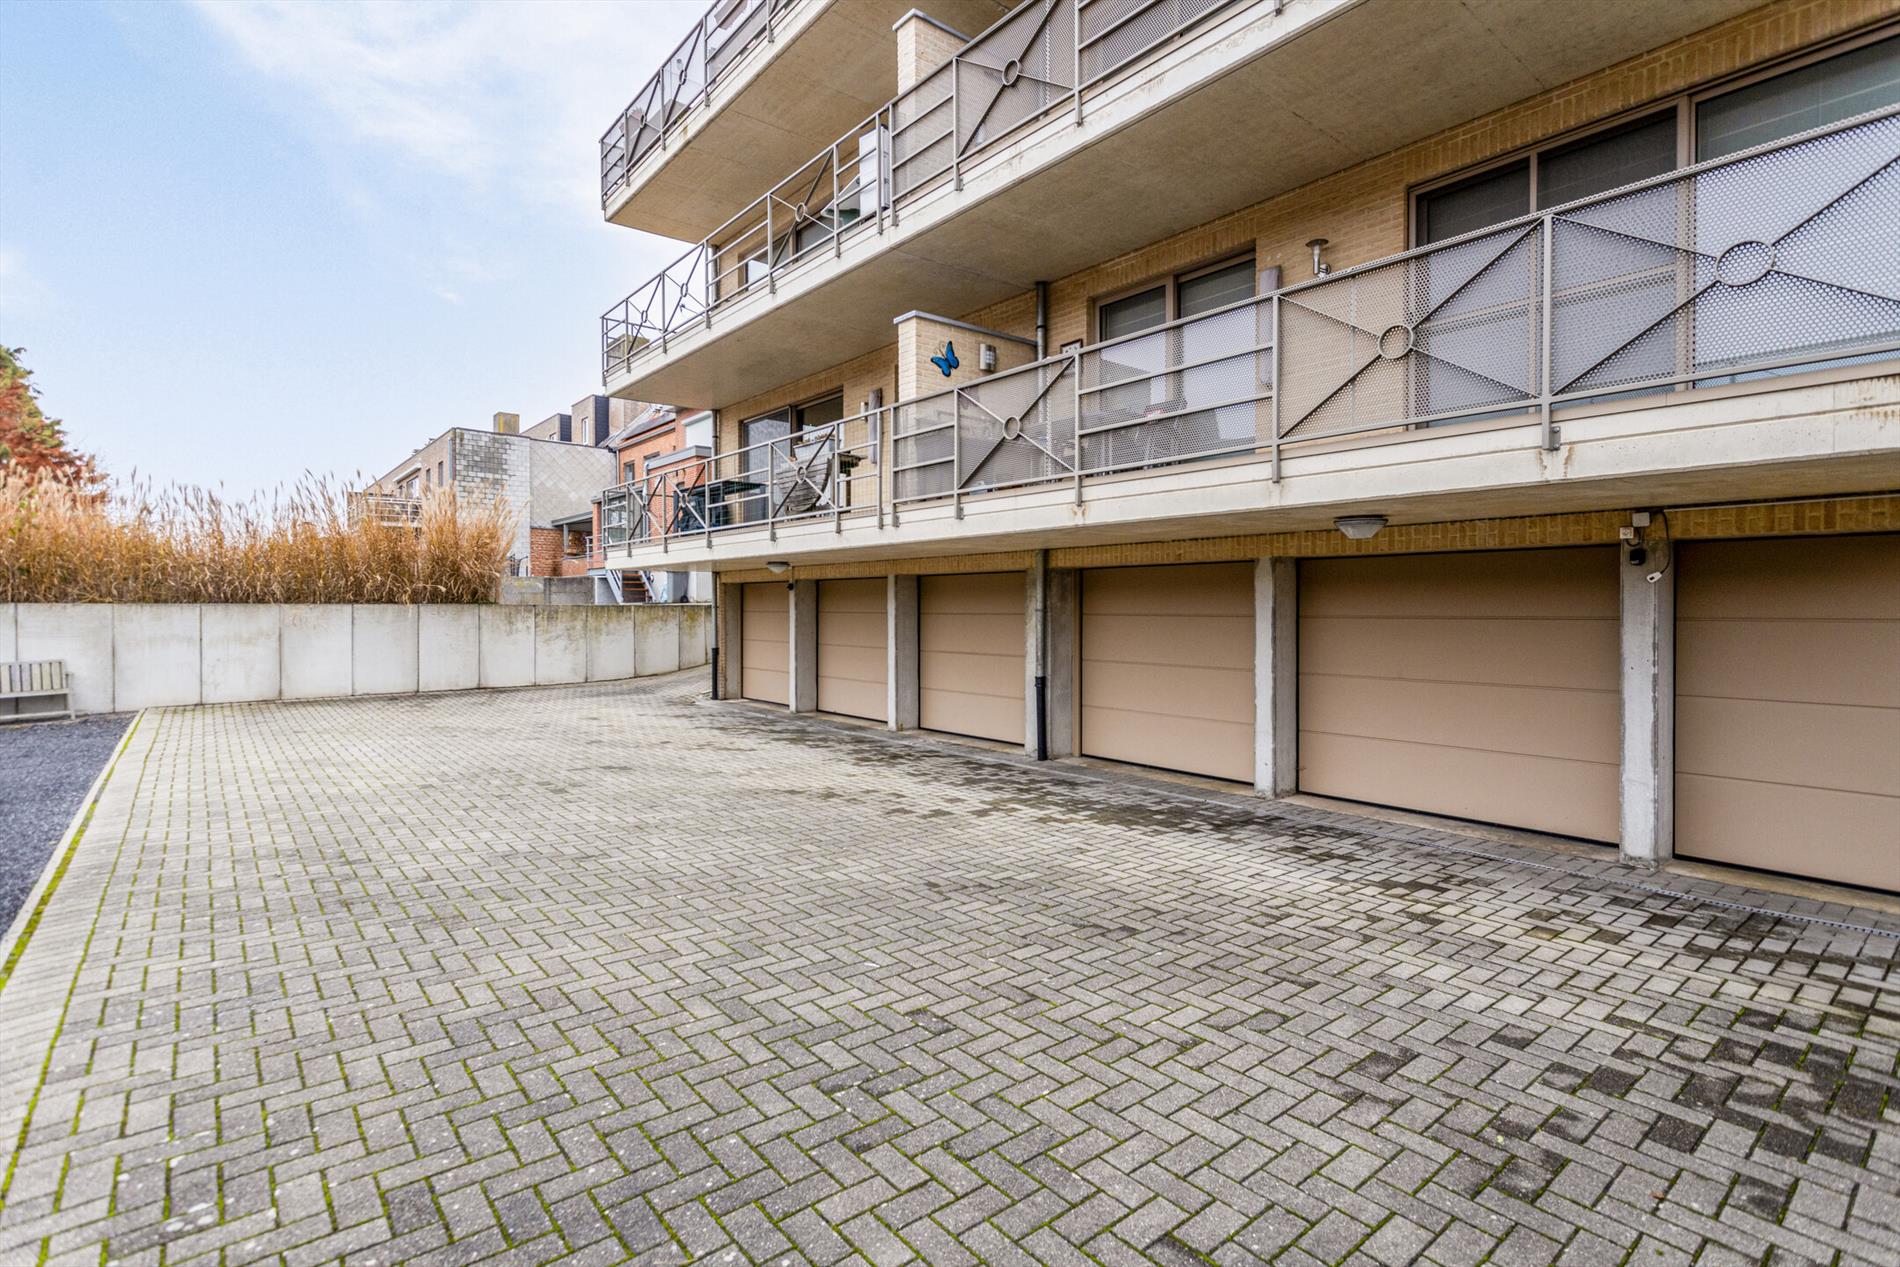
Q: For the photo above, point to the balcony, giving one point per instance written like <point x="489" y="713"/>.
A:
<point x="755" y="82"/>
<point x="383" y="508"/>
<point x="1069" y="133"/>
<point x="1663" y="342"/>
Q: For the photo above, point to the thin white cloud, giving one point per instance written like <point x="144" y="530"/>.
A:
<point x="500" y="95"/>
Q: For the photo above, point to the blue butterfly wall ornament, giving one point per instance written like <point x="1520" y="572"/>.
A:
<point x="948" y="360"/>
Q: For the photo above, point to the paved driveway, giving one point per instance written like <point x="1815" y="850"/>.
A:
<point x="605" y="973"/>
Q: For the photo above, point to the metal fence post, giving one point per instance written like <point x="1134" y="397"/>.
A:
<point x="956" y="451"/>
<point x="1075" y="16"/>
<point x="1274" y="363"/>
<point x="1075" y="427"/>
<point x="771" y="487"/>
<point x="956" y="124"/>
<point x="1543" y="377"/>
<point x="771" y="243"/>
<point x="837" y="219"/>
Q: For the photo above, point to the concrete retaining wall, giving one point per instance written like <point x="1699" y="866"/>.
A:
<point x="123" y="656"/>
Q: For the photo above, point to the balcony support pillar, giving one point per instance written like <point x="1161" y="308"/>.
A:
<point x="1051" y="608"/>
<point x="1276" y="680"/>
<point x="900" y="650"/>
<point x="802" y="646"/>
<point x="729" y="613"/>
<point x="1647" y="615"/>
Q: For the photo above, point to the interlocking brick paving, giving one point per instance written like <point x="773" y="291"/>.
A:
<point x="605" y="974"/>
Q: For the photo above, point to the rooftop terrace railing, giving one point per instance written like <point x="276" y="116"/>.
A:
<point x="1036" y="61"/>
<point x="682" y="84"/>
<point x="1747" y="267"/>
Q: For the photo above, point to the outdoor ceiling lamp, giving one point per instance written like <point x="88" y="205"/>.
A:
<point x="776" y="566"/>
<point x="1360" y="527"/>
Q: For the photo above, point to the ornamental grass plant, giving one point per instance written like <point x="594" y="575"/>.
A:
<point x="314" y="542"/>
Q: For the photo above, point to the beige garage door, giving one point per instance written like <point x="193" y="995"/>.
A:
<point x="1481" y="686"/>
<point x="970" y="655"/>
<point x="763" y="634"/>
<point x="1167" y="667"/>
<point x="1788" y="706"/>
<point x="851" y="663"/>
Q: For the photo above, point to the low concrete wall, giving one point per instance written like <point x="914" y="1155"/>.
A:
<point x="135" y="655"/>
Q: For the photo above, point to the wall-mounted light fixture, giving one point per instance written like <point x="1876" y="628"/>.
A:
<point x="1318" y="247"/>
<point x="777" y="566"/>
<point x="986" y="357"/>
<point x="1360" y="527"/>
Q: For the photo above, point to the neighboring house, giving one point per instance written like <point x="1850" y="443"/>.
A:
<point x="660" y="435"/>
<point x="545" y="482"/>
<point x="1282" y="392"/>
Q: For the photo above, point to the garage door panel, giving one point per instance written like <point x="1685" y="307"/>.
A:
<point x="971" y="672"/>
<point x="1811" y="661"/>
<point x="1001" y="634"/>
<point x="1224" y="642"/>
<point x="764" y="659"/>
<point x="970" y="638"/>
<point x="1558" y="653"/>
<point x="1465" y="715"/>
<point x="1219" y="589"/>
<point x="962" y="713"/>
<point x="1167" y="667"/>
<point x="1844" y="837"/>
<point x="1788" y="705"/>
<point x="1842" y="578"/>
<point x="1575" y="584"/>
<point x="1174" y="690"/>
<point x="1569" y="798"/>
<point x="1481" y="685"/>
<point x="1773" y="741"/>
<point x="1120" y="735"/>
<point x="851" y="660"/>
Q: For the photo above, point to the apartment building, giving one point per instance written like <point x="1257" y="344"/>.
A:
<point x="547" y="482"/>
<point x="1487" y="411"/>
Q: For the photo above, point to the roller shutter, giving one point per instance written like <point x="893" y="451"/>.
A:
<point x="1481" y="686"/>
<point x="765" y="627"/>
<point x="1788" y="706"/>
<point x="1167" y="667"/>
<point x="970" y="654"/>
<point x="851" y="660"/>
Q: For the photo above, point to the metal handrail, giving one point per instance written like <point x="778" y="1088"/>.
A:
<point x="1029" y="62"/>
<point x="683" y="82"/>
<point x="1241" y="380"/>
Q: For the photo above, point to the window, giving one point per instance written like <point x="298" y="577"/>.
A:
<point x="438" y="474"/>
<point x="1469" y="205"/>
<point x="1185" y="295"/>
<point x="774" y="452"/>
<point x="1810" y="96"/>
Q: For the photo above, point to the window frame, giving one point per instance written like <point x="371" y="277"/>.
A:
<point x="1170" y="285"/>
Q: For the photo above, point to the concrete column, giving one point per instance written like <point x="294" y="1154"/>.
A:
<point x="730" y="618"/>
<point x="900" y="651"/>
<point x="1049" y="633"/>
<point x="1648" y="637"/>
<point x="801" y="646"/>
<point x="1276" y="680"/>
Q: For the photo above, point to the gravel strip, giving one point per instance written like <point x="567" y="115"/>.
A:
<point x="45" y="769"/>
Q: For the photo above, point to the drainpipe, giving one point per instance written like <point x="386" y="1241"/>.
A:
<point x="1040" y="618"/>
<point x="712" y="634"/>
<point x="1042" y="320"/>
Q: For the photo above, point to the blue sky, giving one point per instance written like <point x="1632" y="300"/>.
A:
<point x="243" y="240"/>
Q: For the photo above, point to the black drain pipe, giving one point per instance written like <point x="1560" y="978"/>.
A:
<point x="712" y="635"/>
<point x="1041" y="617"/>
<point x="1042" y="320"/>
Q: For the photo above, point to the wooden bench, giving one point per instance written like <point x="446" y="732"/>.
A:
<point x="24" y="680"/>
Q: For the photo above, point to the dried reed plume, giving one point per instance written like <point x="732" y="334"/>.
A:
<point x="190" y="545"/>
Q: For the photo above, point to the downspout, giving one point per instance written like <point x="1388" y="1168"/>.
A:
<point x="712" y="635"/>
<point x="1042" y="320"/>
<point x="1041" y="619"/>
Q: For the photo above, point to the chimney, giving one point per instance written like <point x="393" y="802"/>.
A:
<point x="508" y="424"/>
<point x="923" y="44"/>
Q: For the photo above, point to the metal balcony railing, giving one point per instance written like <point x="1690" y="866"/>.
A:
<point x="385" y="508"/>
<point x="1038" y="60"/>
<point x="682" y="84"/>
<point x="1778" y="259"/>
